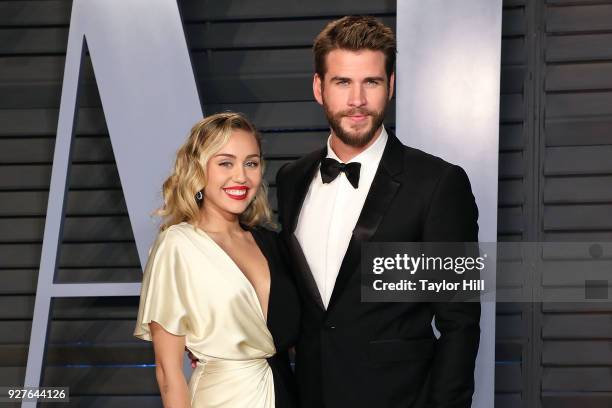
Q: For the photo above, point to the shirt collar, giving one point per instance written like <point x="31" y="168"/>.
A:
<point x="370" y="156"/>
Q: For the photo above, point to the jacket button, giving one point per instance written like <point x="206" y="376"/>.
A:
<point x="330" y="326"/>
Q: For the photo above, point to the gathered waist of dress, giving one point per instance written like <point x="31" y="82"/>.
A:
<point x="218" y="365"/>
<point x="226" y="383"/>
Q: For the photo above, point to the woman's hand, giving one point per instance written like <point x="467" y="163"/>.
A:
<point x="169" y="367"/>
<point x="194" y="359"/>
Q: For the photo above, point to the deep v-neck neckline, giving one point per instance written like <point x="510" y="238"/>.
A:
<point x="264" y="316"/>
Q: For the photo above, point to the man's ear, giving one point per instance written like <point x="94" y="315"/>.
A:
<point x="391" y="85"/>
<point x="317" y="88"/>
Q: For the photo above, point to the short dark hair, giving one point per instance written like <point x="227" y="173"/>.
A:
<point x="355" y="33"/>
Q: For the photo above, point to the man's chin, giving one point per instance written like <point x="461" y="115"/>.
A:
<point x="355" y="132"/>
<point x="359" y="139"/>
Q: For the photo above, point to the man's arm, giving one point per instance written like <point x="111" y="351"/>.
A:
<point x="453" y="217"/>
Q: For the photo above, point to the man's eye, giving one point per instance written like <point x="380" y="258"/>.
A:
<point x="372" y="82"/>
<point x="342" y="83"/>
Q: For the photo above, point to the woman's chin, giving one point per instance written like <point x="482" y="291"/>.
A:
<point x="236" y="208"/>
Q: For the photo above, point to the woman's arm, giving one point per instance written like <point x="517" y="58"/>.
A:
<point x="169" y="350"/>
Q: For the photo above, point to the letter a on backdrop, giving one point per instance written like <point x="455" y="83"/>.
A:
<point x="149" y="97"/>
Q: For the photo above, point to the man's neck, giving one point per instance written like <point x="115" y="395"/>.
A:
<point x="346" y="152"/>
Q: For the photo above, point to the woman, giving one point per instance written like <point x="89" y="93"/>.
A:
<point x="215" y="282"/>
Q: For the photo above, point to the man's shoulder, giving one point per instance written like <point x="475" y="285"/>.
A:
<point x="427" y="164"/>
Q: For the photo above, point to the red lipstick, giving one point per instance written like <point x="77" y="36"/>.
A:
<point x="237" y="192"/>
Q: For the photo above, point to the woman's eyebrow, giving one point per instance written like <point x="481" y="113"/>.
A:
<point x="233" y="156"/>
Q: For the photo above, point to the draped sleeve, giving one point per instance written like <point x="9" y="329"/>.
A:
<point x="164" y="292"/>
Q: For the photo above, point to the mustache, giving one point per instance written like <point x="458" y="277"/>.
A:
<point x="357" y="111"/>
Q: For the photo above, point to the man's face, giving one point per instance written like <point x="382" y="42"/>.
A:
<point x="354" y="92"/>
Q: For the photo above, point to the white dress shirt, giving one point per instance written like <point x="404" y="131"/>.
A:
<point x="329" y="215"/>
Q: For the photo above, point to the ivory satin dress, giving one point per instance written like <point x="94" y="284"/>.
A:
<point x="192" y="288"/>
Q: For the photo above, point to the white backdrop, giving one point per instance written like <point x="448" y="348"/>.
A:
<point x="449" y="61"/>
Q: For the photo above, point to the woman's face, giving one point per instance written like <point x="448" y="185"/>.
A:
<point x="234" y="175"/>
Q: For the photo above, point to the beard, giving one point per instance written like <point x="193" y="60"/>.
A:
<point x="355" y="138"/>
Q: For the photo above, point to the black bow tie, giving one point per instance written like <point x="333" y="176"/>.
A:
<point x="330" y="169"/>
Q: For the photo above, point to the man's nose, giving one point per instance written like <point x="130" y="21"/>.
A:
<point x="357" y="96"/>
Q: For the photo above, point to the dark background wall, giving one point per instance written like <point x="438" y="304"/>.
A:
<point x="254" y="57"/>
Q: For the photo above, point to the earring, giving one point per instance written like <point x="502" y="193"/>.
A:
<point x="199" y="196"/>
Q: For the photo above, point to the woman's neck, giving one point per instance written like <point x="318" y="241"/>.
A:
<point x="211" y="220"/>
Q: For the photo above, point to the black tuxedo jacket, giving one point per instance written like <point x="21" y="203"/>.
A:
<point x="385" y="355"/>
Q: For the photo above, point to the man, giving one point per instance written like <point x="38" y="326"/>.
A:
<point x="366" y="186"/>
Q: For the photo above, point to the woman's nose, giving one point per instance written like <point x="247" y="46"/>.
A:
<point x="240" y="174"/>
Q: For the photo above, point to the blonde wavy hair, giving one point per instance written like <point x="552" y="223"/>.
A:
<point x="205" y="140"/>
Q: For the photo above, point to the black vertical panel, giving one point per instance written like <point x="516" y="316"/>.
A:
<point x="576" y="197"/>
<point x="512" y="337"/>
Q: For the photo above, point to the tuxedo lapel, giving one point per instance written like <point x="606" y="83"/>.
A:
<point x="383" y="189"/>
<point x="303" y="270"/>
<point x="301" y="177"/>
